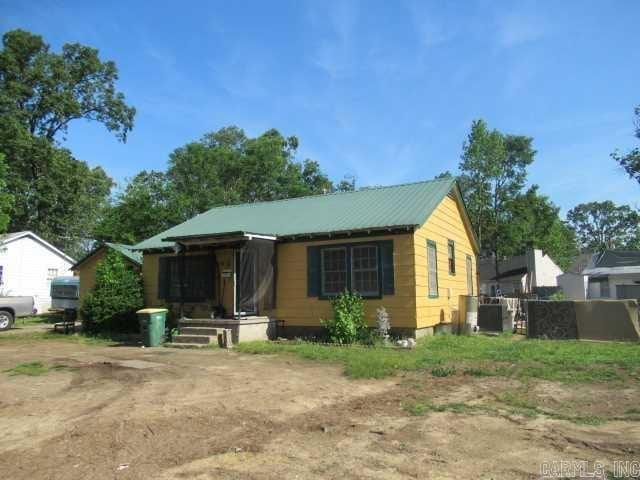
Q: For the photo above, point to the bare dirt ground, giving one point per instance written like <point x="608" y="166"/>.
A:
<point x="132" y="413"/>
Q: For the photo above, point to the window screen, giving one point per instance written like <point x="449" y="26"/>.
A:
<point x="198" y="276"/>
<point x="451" y="251"/>
<point x="334" y="270"/>
<point x="364" y="270"/>
<point x="432" y="267"/>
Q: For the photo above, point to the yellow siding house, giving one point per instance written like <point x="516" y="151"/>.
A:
<point x="409" y="248"/>
<point x="85" y="268"/>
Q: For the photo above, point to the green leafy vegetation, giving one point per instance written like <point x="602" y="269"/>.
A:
<point x="442" y="372"/>
<point x="224" y="167"/>
<point x="32" y="369"/>
<point x="348" y="324"/>
<point x="41" y="93"/>
<point x="111" y="305"/>
<point x="507" y="356"/>
<point x="31" y="337"/>
<point x="630" y="161"/>
<point x="603" y="225"/>
<point x="507" y="218"/>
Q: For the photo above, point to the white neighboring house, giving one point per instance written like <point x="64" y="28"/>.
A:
<point x="519" y="274"/>
<point x="28" y="264"/>
<point x="611" y="274"/>
<point x="574" y="284"/>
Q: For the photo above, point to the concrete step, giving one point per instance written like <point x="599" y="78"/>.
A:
<point x="197" y="339"/>
<point x="207" y="331"/>
<point x="196" y="322"/>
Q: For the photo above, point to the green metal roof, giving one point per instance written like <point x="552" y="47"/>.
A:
<point x="404" y="205"/>
<point x="126" y="250"/>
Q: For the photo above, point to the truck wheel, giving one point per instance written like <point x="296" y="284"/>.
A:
<point x="6" y="320"/>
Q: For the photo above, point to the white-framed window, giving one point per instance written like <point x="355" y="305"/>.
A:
<point x="333" y="270"/>
<point x="52" y="273"/>
<point x="364" y="270"/>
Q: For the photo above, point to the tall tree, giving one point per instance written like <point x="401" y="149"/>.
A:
<point x="631" y="160"/>
<point x="41" y="93"/>
<point x="533" y="222"/>
<point x="145" y="207"/>
<point x="604" y="225"/>
<point x="45" y="91"/>
<point x="223" y="168"/>
<point x="493" y="171"/>
<point x="227" y="167"/>
<point x="6" y="199"/>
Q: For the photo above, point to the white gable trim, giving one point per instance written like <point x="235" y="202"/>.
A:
<point x="40" y="240"/>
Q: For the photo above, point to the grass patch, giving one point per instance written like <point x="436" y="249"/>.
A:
<point x="424" y="407"/>
<point x="567" y="361"/>
<point x="45" y="318"/>
<point x="79" y="338"/>
<point x="32" y="369"/>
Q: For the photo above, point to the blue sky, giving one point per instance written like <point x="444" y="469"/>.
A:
<point x="385" y="91"/>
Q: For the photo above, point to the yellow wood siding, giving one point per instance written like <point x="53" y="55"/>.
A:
<point x="296" y="308"/>
<point x="445" y="223"/>
<point x="87" y="273"/>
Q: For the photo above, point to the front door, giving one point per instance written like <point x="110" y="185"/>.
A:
<point x="246" y="282"/>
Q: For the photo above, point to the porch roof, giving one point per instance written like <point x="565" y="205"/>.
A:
<point x="397" y="206"/>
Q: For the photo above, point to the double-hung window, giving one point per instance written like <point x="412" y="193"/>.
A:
<point x="351" y="267"/>
<point x="364" y="270"/>
<point x="432" y="268"/>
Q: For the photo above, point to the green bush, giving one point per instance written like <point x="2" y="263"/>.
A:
<point x="347" y="324"/>
<point x="111" y="305"/>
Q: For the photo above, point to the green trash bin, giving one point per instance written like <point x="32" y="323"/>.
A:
<point x="152" y="322"/>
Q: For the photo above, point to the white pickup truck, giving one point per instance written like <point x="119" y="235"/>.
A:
<point x="14" y="307"/>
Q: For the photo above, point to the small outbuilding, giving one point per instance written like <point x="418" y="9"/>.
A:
<point x="85" y="268"/>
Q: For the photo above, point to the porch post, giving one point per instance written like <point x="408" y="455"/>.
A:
<point x="236" y="279"/>
<point x="181" y="276"/>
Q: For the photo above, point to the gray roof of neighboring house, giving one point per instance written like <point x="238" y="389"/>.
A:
<point x="582" y="261"/>
<point x="614" y="262"/>
<point x="516" y="265"/>
<point x="399" y="206"/>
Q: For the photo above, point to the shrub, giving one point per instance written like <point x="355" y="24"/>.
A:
<point x="442" y="372"/>
<point x="112" y="303"/>
<point x="347" y="324"/>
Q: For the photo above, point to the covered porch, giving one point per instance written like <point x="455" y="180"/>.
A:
<point x="220" y="283"/>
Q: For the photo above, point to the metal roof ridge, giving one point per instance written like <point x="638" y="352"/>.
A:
<point x="320" y="195"/>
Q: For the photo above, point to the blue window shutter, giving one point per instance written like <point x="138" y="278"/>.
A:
<point x="386" y="262"/>
<point x="313" y="271"/>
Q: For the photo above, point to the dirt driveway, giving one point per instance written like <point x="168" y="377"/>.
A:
<point x="132" y="413"/>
